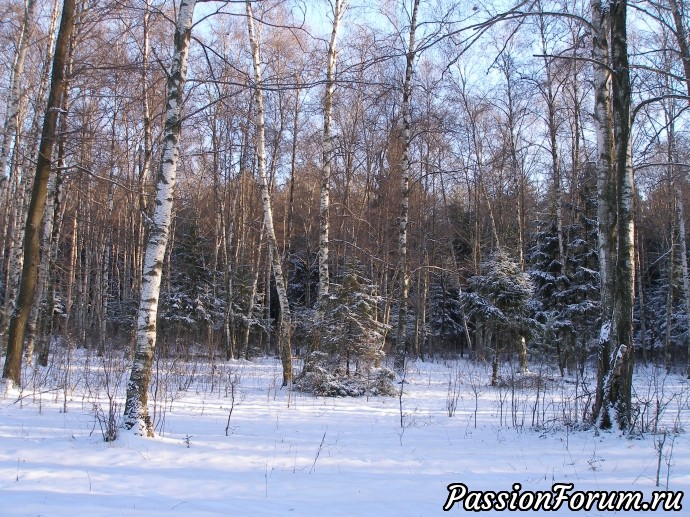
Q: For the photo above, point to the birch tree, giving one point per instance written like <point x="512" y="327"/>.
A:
<point x="339" y="7"/>
<point x="16" y="91"/>
<point x="136" y="416"/>
<point x="17" y="189"/>
<point x="48" y="250"/>
<point x="616" y="226"/>
<point x="284" y="322"/>
<point x="32" y="235"/>
<point x="403" y="272"/>
<point x="681" y="35"/>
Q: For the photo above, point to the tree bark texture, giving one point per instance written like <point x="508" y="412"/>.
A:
<point x="327" y="154"/>
<point x="616" y="224"/>
<point x="32" y="235"/>
<point x="284" y="322"/>
<point x="136" y="416"/>
<point x="403" y="272"/>
<point x="16" y="91"/>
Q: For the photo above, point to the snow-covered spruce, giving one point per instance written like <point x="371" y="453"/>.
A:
<point x="352" y="339"/>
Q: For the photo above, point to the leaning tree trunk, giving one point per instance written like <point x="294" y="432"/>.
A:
<point x="32" y="325"/>
<point x="404" y="275"/>
<point x="136" y="414"/>
<point x="45" y="274"/>
<point x="284" y="323"/>
<point x="32" y="235"/>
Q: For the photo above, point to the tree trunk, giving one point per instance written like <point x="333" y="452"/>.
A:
<point x="251" y="302"/>
<point x="614" y="380"/>
<point x="680" y="210"/>
<point x="605" y="218"/>
<point x="43" y="272"/>
<point x="403" y="273"/>
<point x="32" y="237"/>
<point x="17" y="226"/>
<point x="624" y="294"/>
<point x="284" y="323"/>
<point x="136" y="411"/>
<point x="682" y="39"/>
<point x="327" y="157"/>
<point x="46" y="274"/>
<point x="680" y="218"/>
<point x="16" y="91"/>
<point x="669" y="300"/>
<point x="551" y="106"/>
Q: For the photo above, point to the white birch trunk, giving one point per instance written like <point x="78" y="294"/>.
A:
<point x="604" y="135"/>
<point x="136" y="415"/>
<point x="614" y="379"/>
<point x="682" y="240"/>
<point x="15" y="235"/>
<point x="605" y="219"/>
<point x="404" y="275"/>
<point x="327" y="156"/>
<point x="16" y="91"/>
<point x="683" y="260"/>
<point x="682" y="39"/>
<point x="621" y="389"/>
<point x="284" y="323"/>
<point x="554" y="151"/>
<point x="46" y="250"/>
<point x="147" y="153"/>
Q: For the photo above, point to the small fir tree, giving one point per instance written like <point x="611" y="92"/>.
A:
<point x="499" y="301"/>
<point x="352" y="339"/>
<point x="566" y="298"/>
<point x="446" y="318"/>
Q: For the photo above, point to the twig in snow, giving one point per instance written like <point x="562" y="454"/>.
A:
<point x="318" y="451"/>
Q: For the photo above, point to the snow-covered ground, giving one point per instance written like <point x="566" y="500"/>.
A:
<point x="294" y="454"/>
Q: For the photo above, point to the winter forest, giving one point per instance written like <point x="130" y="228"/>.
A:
<point x="344" y="202"/>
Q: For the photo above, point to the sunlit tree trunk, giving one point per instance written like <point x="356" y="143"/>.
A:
<point x="32" y="237"/>
<point x="46" y="276"/>
<point x="16" y="90"/>
<point x="617" y="245"/>
<point x="17" y="188"/>
<point x="284" y="323"/>
<point x="605" y="219"/>
<point x="624" y="295"/>
<point x="403" y="272"/>
<point x="327" y="155"/>
<point x="682" y="241"/>
<point x="136" y="414"/>
<point x="17" y="215"/>
<point x="32" y="326"/>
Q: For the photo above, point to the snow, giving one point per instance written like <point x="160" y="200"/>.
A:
<point x="294" y="454"/>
